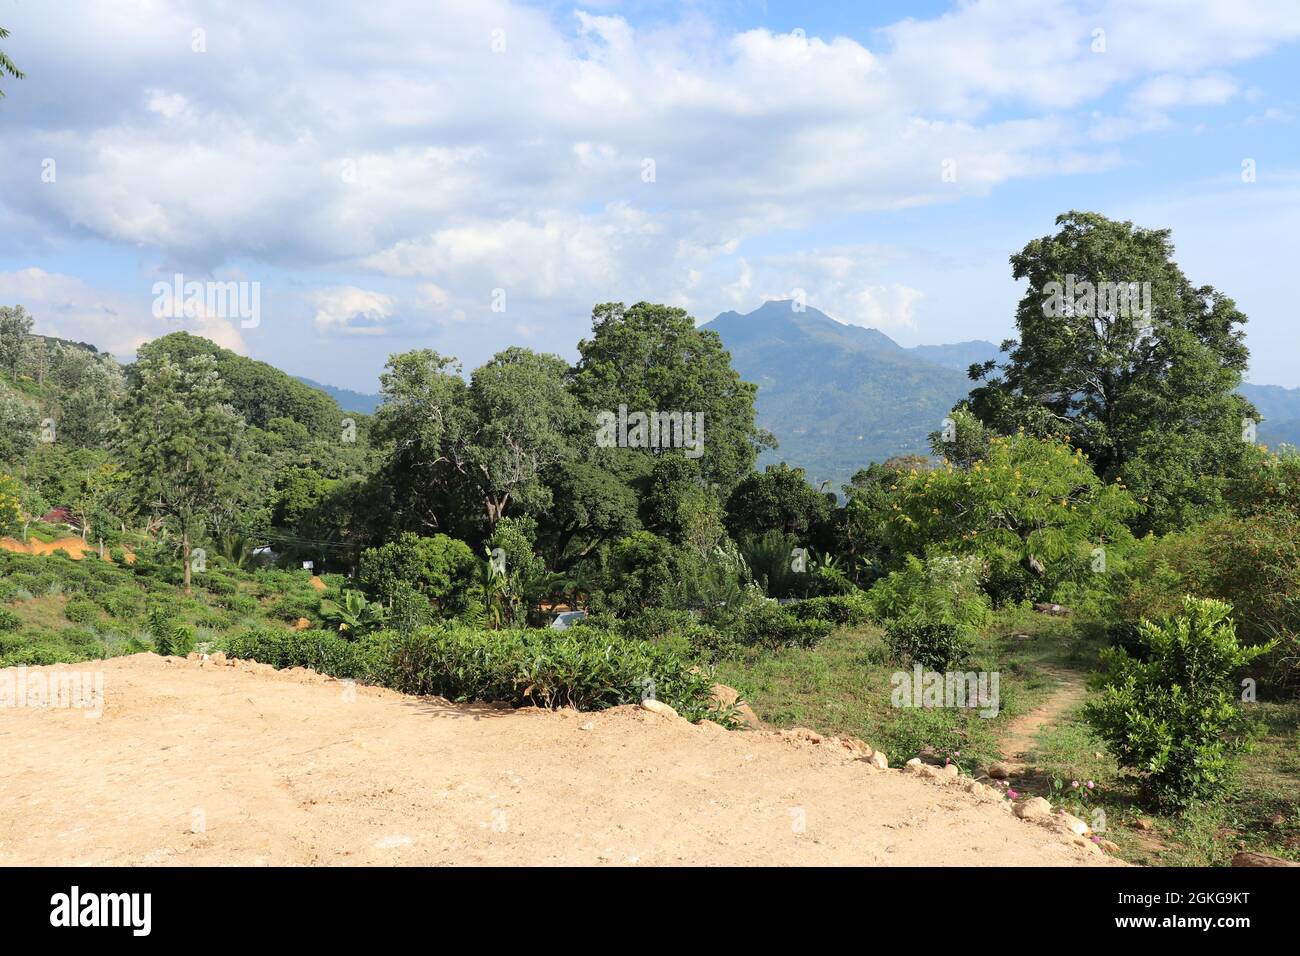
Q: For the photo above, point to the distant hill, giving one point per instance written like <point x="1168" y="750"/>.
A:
<point x="1280" y="410"/>
<point x="347" y="399"/>
<point x="839" y="397"/>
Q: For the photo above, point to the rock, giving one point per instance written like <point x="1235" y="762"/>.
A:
<point x="658" y="707"/>
<point x="192" y="656"/>
<point x="1142" y="823"/>
<point x="218" y="659"/>
<point x="724" y="696"/>
<point x="802" y="733"/>
<point x="913" y="766"/>
<point x="854" y="746"/>
<point x="587" y="726"/>
<point x="1035" y="808"/>
<point x="1056" y="610"/>
<point x="1109" y="846"/>
<point x="878" y="760"/>
<point x="999" y="771"/>
<point x="301" y="624"/>
<point x="951" y="771"/>
<point x="1073" y="824"/>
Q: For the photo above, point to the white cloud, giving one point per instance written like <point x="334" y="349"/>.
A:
<point x="394" y="142"/>
<point x="347" y="310"/>
<point x="66" y="307"/>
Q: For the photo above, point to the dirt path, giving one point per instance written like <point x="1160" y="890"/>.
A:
<point x="203" y="764"/>
<point x="1019" y="740"/>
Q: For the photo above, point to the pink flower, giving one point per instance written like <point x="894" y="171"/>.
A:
<point x="1012" y="794"/>
<point x="1074" y="784"/>
<point x="1090" y="784"/>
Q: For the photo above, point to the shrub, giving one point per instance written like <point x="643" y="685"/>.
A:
<point x="934" y="644"/>
<point x="80" y="611"/>
<point x="850" y="609"/>
<point x="644" y="572"/>
<point x="290" y="607"/>
<point x="9" y="621"/>
<point x="1174" y="717"/>
<point x="169" y="637"/>
<point x="942" y="588"/>
<point x="324" y="651"/>
<point x="759" y="622"/>
<point x="586" y="668"/>
<point x="440" y="567"/>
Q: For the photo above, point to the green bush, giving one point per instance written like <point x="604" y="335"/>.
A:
<point x="850" y="609"/>
<point x="935" y="645"/>
<point x="1174" y="718"/>
<point x="763" y="623"/>
<point x="325" y="651"/>
<point x="80" y="611"/>
<point x="9" y="621"/>
<point x="941" y="588"/>
<point x="586" y="668"/>
<point x="440" y="567"/>
<point x="290" y="607"/>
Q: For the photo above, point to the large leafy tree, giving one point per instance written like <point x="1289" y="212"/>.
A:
<point x="490" y="441"/>
<point x="1147" y="394"/>
<point x="781" y="498"/>
<point x="179" y="438"/>
<point x="652" y="358"/>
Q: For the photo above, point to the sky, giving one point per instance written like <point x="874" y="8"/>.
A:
<point x="470" y="176"/>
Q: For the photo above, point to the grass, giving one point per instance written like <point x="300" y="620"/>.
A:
<point x="843" y="686"/>
<point x="1261" y="814"/>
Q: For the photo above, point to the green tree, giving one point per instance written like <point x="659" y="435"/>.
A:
<point x="491" y="441"/>
<point x="6" y="64"/>
<point x="778" y="498"/>
<point x="15" y="327"/>
<point x="651" y="359"/>
<point x="439" y="567"/>
<point x="19" y="426"/>
<point x="178" y="441"/>
<point x="1033" y="502"/>
<point x="1144" y="385"/>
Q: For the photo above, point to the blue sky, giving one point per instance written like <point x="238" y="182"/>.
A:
<point x="388" y="172"/>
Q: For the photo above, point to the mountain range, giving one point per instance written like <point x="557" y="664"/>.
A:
<point x="838" y="397"/>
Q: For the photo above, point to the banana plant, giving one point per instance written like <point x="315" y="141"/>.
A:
<point x="356" y="616"/>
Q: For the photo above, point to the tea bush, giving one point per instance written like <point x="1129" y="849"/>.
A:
<point x="1174" y="718"/>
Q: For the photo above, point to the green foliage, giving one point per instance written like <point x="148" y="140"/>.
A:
<point x="778" y="498"/>
<point x="1149" y="398"/>
<point x="169" y="637"/>
<point x="354" y="615"/>
<point x="942" y="588"/>
<point x="328" y="652"/>
<point x="440" y="567"/>
<point x="1032" y="501"/>
<point x="9" y="621"/>
<point x="584" y="668"/>
<point x="934" y="644"/>
<point x="849" y="609"/>
<point x="643" y="573"/>
<point x="80" y="611"/>
<point x="653" y="358"/>
<point x="1174" y="717"/>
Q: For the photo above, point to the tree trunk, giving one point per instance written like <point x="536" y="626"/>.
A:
<point x="185" y="556"/>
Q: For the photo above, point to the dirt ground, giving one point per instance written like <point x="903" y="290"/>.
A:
<point x="198" y="764"/>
